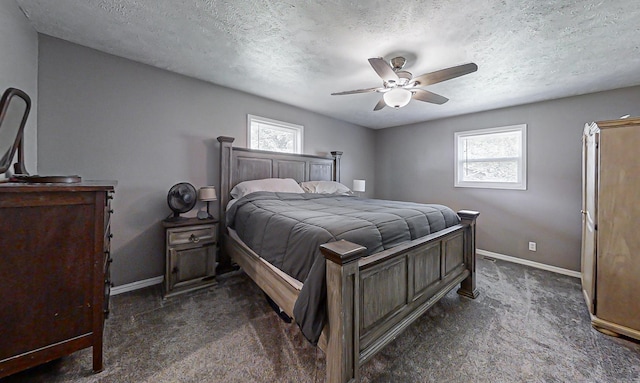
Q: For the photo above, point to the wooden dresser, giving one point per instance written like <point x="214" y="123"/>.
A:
<point x="610" y="216"/>
<point x="54" y="271"/>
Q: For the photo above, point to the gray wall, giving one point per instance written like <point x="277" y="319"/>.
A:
<point x="416" y="163"/>
<point x="19" y="68"/>
<point x="105" y="117"/>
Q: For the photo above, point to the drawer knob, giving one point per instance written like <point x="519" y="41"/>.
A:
<point x="194" y="239"/>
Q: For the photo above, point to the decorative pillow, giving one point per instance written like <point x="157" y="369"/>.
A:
<point x="325" y="187"/>
<point x="283" y="185"/>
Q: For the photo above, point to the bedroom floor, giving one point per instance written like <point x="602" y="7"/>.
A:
<point x="527" y="325"/>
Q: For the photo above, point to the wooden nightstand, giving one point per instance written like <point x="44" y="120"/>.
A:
<point x="190" y="250"/>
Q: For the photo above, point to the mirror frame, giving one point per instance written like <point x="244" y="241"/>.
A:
<point x="8" y="95"/>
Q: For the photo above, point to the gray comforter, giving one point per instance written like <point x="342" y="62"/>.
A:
<point x="287" y="229"/>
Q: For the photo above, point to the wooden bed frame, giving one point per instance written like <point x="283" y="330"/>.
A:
<point x="372" y="299"/>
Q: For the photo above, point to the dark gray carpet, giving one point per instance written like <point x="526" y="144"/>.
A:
<point x="527" y="325"/>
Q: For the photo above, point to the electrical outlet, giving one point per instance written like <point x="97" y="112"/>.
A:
<point x="532" y="246"/>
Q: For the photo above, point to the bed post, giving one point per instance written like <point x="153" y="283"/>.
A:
<point x="226" y="149"/>
<point x="336" y="165"/>
<point x="343" y="297"/>
<point x="468" y="286"/>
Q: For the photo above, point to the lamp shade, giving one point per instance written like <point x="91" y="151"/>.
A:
<point x="397" y="97"/>
<point x="359" y="185"/>
<point x="207" y="193"/>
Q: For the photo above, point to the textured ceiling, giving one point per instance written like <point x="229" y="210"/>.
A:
<point x="298" y="52"/>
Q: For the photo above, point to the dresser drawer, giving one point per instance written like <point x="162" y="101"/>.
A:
<point x="107" y="209"/>
<point x="107" y="238"/>
<point x="107" y="287"/>
<point x="201" y="234"/>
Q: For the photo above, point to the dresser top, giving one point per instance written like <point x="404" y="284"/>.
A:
<point x="89" y="185"/>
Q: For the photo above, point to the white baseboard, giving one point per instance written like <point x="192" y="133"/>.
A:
<point x="137" y="285"/>
<point x="576" y="274"/>
<point x="537" y="265"/>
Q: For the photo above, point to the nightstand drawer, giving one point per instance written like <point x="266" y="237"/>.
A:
<point x="201" y="234"/>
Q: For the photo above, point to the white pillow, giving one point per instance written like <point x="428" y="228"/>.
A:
<point x="283" y="185"/>
<point x="325" y="187"/>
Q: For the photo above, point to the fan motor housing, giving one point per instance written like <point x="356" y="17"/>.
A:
<point x="397" y="63"/>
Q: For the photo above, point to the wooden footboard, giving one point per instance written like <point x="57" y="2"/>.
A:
<point x="372" y="300"/>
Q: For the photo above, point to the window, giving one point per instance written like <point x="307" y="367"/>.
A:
<point x="492" y="158"/>
<point x="276" y="136"/>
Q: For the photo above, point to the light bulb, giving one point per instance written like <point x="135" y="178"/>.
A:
<point x="397" y="97"/>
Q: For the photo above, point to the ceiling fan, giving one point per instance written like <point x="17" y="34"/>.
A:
<point x="399" y="86"/>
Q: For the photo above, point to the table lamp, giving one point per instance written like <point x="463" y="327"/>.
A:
<point x="358" y="186"/>
<point x="207" y="194"/>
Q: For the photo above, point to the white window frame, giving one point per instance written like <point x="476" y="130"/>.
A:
<point x="521" y="184"/>
<point x="298" y="130"/>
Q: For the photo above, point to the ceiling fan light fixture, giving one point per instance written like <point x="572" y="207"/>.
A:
<point x="399" y="86"/>
<point x="397" y="97"/>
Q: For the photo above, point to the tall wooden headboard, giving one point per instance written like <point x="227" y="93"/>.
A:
<point x="241" y="164"/>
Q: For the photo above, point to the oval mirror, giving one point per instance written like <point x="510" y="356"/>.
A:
<point x="14" y="109"/>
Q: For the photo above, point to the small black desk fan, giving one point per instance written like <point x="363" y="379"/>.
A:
<point x="181" y="198"/>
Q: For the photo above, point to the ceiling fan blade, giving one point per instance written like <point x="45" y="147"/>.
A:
<point x="381" y="104"/>
<point x="444" y="74"/>
<point x="384" y="70"/>
<point x="426" y="96"/>
<point x="357" y="91"/>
